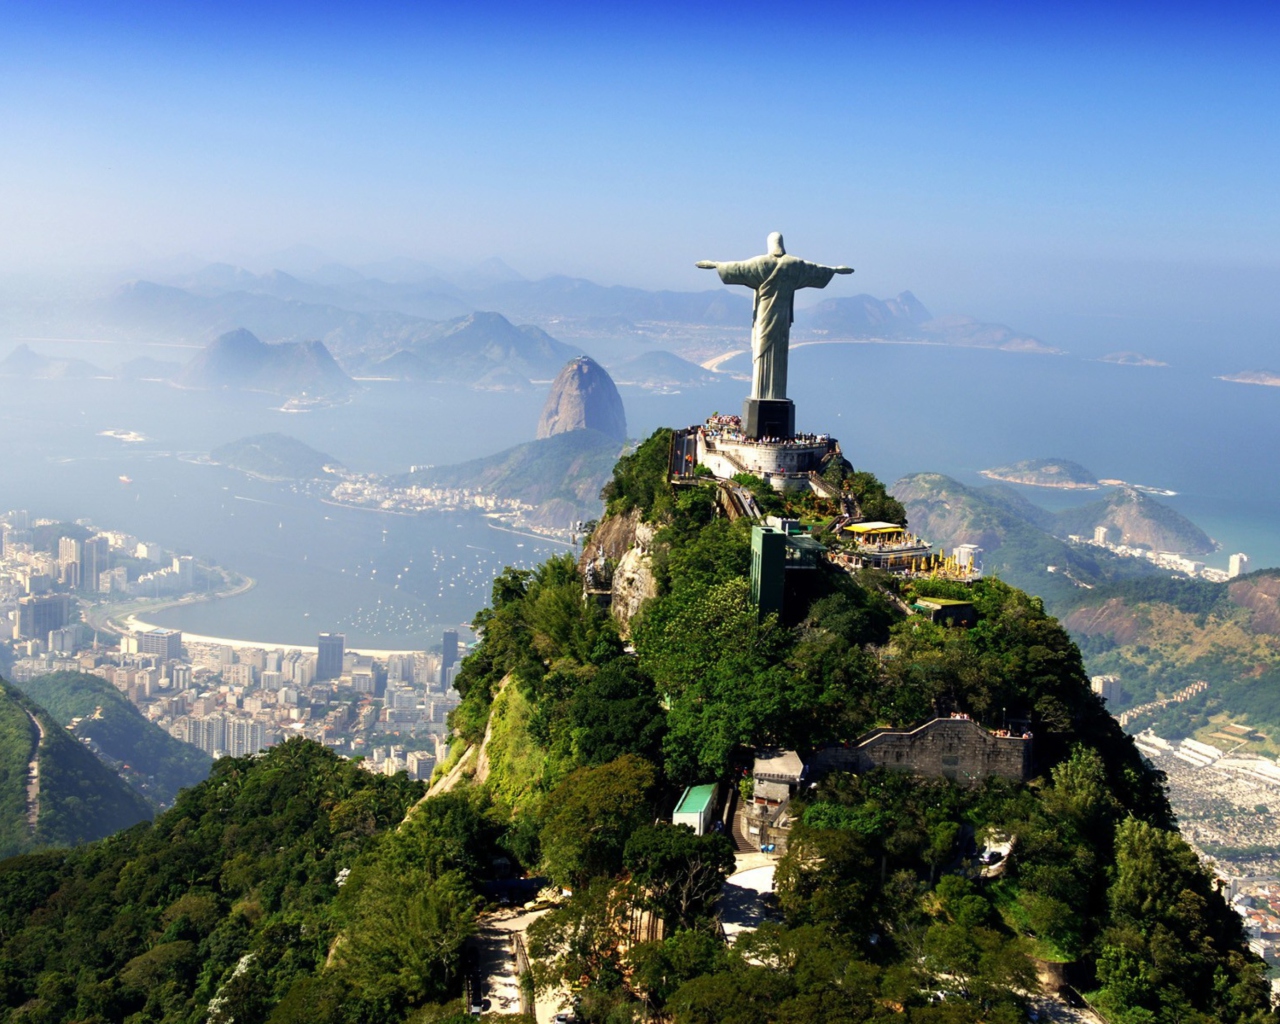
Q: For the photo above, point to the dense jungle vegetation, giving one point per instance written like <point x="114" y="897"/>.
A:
<point x="237" y="904"/>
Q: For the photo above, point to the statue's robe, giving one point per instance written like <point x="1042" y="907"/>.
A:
<point x="775" y="280"/>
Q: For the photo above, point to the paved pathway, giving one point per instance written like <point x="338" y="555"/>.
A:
<point x="500" y="983"/>
<point x="33" y="777"/>
<point x="742" y="904"/>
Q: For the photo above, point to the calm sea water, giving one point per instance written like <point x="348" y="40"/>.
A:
<point x="393" y="581"/>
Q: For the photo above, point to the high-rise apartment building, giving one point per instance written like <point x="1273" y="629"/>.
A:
<point x="363" y="679"/>
<point x="1237" y="565"/>
<point x="448" y="653"/>
<point x="165" y="644"/>
<point x="95" y="559"/>
<point x="208" y="732"/>
<point x="69" y="561"/>
<point x="40" y="615"/>
<point x="330" y="649"/>
<point x="244" y="736"/>
<point x="1108" y="688"/>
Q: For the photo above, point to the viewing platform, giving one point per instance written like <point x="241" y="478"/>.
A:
<point x="888" y="546"/>
<point x="725" y="450"/>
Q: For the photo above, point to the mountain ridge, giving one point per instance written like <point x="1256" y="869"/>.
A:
<point x="72" y="799"/>
<point x="474" y="348"/>
<point x="274" y="456"/>
<point x="146" y="757"/>
<point x="561" y="476"/>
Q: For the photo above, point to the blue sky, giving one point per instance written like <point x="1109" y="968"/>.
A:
<point x="995" y="158"/>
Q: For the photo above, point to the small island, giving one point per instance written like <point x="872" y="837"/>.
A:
<point x="1266" y="378"/>
<point x="1131" y="359"/>
<point x="1059" y="473"/>
<point x="276" y="457"/>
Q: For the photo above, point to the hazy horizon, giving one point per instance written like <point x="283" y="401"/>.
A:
<point x="1000" y="161"/>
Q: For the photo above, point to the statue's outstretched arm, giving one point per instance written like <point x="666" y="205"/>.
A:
<point x="843" y="270"/>
<point x="706" y="264"/>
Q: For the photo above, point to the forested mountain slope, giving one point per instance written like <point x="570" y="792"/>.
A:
<point x="878" y="911"/>
<point x="1020" y="540"/>
<point x="150" y="760"/>
<point x="70" y="798"/>
<point x="1159" y="635"/>
<point x="236" y="905"/>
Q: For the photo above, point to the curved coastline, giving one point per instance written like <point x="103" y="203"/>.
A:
<point x="135" y="623"/>
<point x="1023" y="480"/>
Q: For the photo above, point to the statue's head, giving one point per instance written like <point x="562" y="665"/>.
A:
<point x="774" y="245"/>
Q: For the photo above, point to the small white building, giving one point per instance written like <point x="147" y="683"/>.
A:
<point x="697" y="807"/>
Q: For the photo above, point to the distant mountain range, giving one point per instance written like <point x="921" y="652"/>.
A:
<point x="480" y="349"/>
<point x="486" y="327"/>
<point x="23" y="362"/>
<point x="239" y="359"/>
<point x="661" y="369"/>
<point x="373" y="317"/>
<point x="905" y="318"/>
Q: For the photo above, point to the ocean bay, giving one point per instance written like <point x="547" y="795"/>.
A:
<point x="896" y="409"/>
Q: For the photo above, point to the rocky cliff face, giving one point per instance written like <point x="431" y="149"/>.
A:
<point x="633" y="579"/>
<point x="625" y="544"/>
<point x="583" y="397"/>
<point x="612" y="539"/>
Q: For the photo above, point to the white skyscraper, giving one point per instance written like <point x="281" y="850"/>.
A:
<point x="1237" y="565"/>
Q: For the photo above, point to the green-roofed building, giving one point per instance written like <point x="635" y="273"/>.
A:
<point x="947" y="611"/>
<point x="697" y="807"/>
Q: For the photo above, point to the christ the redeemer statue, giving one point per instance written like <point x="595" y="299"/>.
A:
<point x="775" y="277"/>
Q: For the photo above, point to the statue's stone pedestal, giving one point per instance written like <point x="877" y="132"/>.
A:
<point x="769" y="417"/>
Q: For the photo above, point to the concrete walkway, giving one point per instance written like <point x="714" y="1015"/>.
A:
<point x="500" y="981"/>
<point x="742" y="904"/>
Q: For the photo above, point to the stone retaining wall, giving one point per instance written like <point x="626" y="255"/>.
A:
<point x="953" y="748"/>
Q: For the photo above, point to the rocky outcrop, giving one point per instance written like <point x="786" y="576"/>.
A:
<point x="1261" y="595"/>
<point x="583" y="397"/>
<point x="613" y="538"/>
<point x="1113" y="618"/>
<point x="633" y="579"/>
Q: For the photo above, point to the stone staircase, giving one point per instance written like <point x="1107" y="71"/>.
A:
<point x="739" y="836"/>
